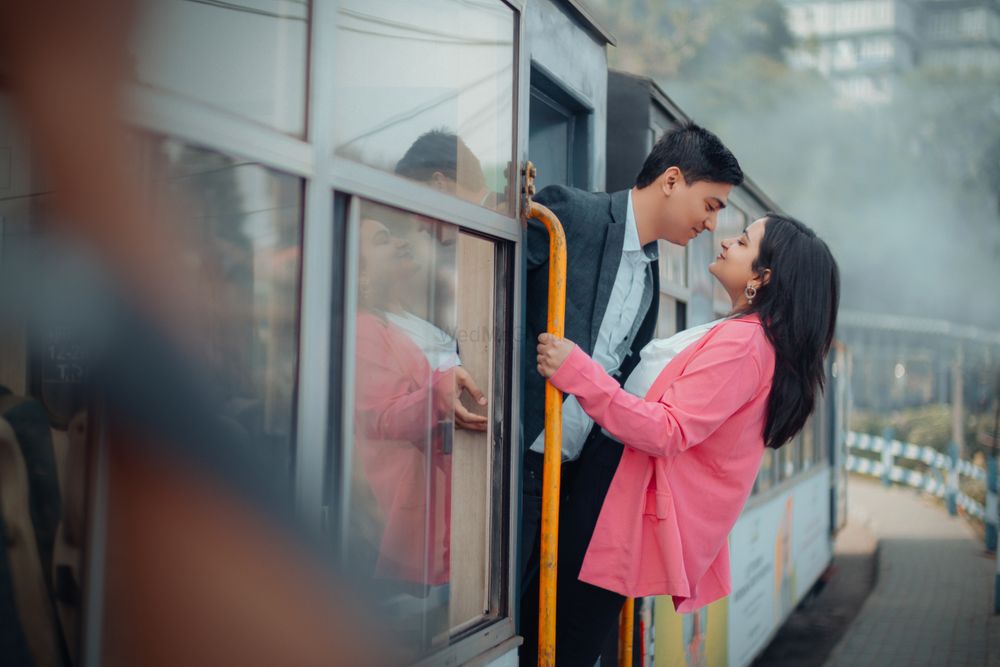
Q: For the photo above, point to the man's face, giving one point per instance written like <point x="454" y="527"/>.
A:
<point x="689" y="209"/>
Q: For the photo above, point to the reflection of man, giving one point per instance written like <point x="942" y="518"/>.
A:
<point x="441" y="160"/>
<point x="611" y="295"/>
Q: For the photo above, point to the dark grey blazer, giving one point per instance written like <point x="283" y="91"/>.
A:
<point x="594" y="223"/>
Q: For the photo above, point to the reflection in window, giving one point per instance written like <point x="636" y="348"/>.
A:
<point x="425" y="90"/>
<point x="420" y="492"/>
<point x="247" y="231"/>
<point x="44" y="429"/>
<point x="246" y="57"/>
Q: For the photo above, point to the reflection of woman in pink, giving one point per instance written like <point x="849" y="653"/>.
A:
<point x="404" y="412"/>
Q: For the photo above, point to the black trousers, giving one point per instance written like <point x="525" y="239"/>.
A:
<point x="585" y="614"/>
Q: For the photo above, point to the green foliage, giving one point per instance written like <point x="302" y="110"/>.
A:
<point x="929" y="426"/>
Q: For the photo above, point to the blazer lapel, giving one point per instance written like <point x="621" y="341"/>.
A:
<point x="614" y="241"/>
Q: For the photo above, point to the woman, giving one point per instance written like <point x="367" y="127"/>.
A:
<point x="407" y="389"/>
<point x="694" y="419"/>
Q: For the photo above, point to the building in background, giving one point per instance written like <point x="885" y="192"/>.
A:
<point x="864" y="45"/>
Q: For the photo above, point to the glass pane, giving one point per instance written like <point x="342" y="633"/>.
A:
<point x="246" y="234"/>
<point x="766" y="474"/>
<point x="673" y="264"/>
<point x="248" y="58"/>
<point x="435" y="105"/>
<point x="731" y="223"/>
<point x="420" y="492"/>
<point x="809" y="442"/>
<point x="44" y="440"/>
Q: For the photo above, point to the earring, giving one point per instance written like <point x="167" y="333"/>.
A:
<point x="750" y="293"/>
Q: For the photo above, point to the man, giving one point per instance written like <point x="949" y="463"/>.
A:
<point x="441" y="160"/>
<point x="612" y="290"/>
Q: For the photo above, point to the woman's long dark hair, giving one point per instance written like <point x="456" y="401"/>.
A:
<point x="798" y="309"/>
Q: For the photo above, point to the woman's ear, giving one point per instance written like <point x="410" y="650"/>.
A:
<point x="764" y="276"/>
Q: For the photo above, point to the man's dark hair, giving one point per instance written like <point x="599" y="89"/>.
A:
<point x="441" y="151"/>
<point x="699" y="154"/>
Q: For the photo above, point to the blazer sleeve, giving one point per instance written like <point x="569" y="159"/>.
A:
<point x="557" y="199"/>
<point x="719" y="380"/>
<point x="387" y="403"/>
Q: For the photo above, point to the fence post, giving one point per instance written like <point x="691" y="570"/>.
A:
<point x="992" y="518"/>
<point x="888" y="435"/>
<point x="952" y="494"/>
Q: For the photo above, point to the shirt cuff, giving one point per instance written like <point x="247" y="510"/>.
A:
<point x="576" y="360"/>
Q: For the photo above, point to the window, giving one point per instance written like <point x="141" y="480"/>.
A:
<point x="810" y="454"/>
<point x="422" y="527"/>
<point x="246" y="227"/>
<point x="243" y="238"/>
<point x="876" y="50"/>
<point x="436" y="105"/>
<point x="767" y="474"/>
<point x="671" y="316"/>
<point x="675" y="293"/>
<point x="248" y="58"/>
<point x="45" y="434"/>
<point x="558" y="135"/>
<point x="673" y="265"/>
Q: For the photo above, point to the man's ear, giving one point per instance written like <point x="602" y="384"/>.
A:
<point x="669" y="180"/>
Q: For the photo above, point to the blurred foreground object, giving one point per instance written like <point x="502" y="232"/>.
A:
<point x="178" y="554"/>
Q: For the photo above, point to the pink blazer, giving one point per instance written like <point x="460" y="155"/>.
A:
<point x="692" y="450"/>
<point x="399" y="402"/>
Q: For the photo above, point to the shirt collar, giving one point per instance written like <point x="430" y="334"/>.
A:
<point x="651" y="250"/>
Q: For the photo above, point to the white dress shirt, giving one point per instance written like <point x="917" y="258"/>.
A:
<point x="656" y="355"/>
<point x="437" y="345"/>
<point x="613" y="338"/>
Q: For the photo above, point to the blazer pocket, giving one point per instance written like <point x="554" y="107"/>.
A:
<point x="649" y="508"/>
<point x="664" y="505"/>
<point x="659" y="505"/>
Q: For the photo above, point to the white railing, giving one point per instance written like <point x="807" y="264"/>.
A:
<point x="932" y="481"/>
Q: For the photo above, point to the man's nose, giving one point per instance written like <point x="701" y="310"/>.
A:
<point x="710" y="223"/>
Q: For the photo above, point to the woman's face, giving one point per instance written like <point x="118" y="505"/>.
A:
<point x="386" y="258"/>
<point x="733" y="267"/>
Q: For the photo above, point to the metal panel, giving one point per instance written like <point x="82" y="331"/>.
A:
<point x="316" y="299"/>
<point x="399" y="192"/>
<point x="346" y="435"/>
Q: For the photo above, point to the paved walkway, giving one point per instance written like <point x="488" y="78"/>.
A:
<point x="933" y="599"/>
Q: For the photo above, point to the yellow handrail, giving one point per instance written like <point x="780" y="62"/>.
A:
<point x="549" y="546"/>
<point x="626" y="623"/>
